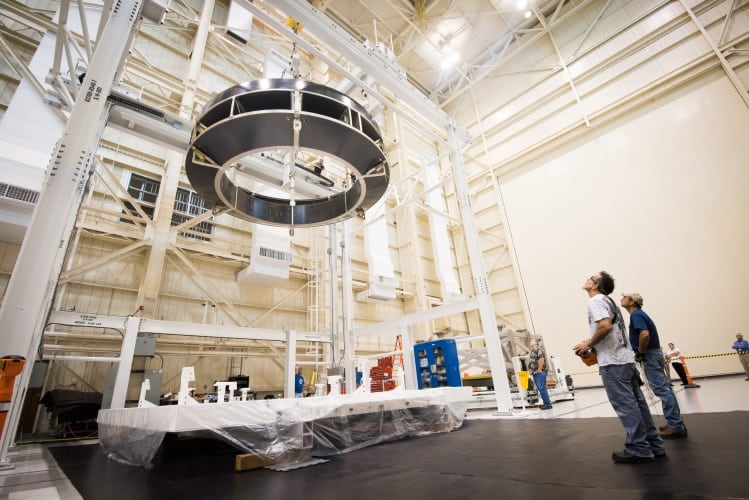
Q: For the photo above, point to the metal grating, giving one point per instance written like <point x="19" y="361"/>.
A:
<point x="18" y="193"/>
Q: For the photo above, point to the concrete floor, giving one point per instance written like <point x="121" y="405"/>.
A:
<point x="718" y="394"/>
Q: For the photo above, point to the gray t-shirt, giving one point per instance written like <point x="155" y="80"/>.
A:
<point x="614" y="348"/>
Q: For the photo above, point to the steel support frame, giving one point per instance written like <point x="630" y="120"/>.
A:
<point x="730" y="72"/>
<point x="28" y="297"/>
<point x="133" y="326"/>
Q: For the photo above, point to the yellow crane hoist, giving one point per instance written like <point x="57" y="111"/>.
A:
<point x="295" y="25"/>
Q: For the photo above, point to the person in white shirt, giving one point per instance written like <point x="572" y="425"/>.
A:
<point x="672" y="355"/>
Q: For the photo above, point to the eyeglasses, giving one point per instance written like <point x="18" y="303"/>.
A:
<point x="593" y="279"/>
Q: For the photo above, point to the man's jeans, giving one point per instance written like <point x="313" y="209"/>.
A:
<point x="623" y="390"/>
<point x="653" y="364"/>
<point x="540" y="380"/>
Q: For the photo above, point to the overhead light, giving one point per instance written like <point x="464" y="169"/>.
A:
<point x="522" y="4"/>
<point x="450" y="58"/>
<point x="527" y="14"/>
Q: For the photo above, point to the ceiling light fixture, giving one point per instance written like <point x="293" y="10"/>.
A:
<point x="450" y="58"/>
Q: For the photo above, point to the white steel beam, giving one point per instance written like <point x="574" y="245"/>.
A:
<point x="290" y="372"/>
<point x="418" y="317"/>
<point x="31" y="288"/>
<point x="480" y="281"/>
<point x="730" y="73"/>
<point x="333" y="270"/>
<point x="213" y="294"/>
<point x="186" y="328"/>
<point x="159" y="232"/>
<point x="87" y="320"/>
<point x="409" y="364"/>
<point x="150" y="128"/>
<point x="157" y="326"/>
<point x="111" y="257"/>
<point x="94" y="359"/>
<point x="118" y="191"/>
<point x="21" y="68"/>
<point x="347" y="308"/>
<point x="127" y="351"/>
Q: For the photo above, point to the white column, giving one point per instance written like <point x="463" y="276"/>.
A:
<point x="409" y="365"/>
<point x="32" y="285"/>
<point x="122" y="379"/>
<point x="347" y="311"/>
<point x="480" y="281"/>
<point x="288" y="388"/>
<point x="333" y="268"/>
<point x="160" y="232"/>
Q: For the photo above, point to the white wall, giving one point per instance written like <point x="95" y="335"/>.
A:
<point x="660" y="200"/>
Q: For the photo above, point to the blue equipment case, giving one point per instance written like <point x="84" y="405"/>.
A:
<point x="437" y="364"/>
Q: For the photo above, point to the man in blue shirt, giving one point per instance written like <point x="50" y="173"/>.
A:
<point x="643" y="337"/>
<point x="298" y="383"/>
<point x="742" y="348"/>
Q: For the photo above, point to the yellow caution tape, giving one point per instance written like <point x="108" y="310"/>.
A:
<point x="711" y="355"/>
<point x="583" y="373"/>
<point x="698" y="356"/>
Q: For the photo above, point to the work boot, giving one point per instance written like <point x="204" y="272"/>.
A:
<point x="669" y="433"/>
<point x="624" y="457"/>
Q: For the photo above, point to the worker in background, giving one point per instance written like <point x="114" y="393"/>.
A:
<point x="673" y="357"/>
<point x="643" y="337"/>
<point x="742" y="348"/>
<point x="616" y="363"/>
<point x="537" y="367"/>
<point x="299" y="383"/>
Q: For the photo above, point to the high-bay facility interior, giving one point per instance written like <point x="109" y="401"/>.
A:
<point x="349" y="220"/>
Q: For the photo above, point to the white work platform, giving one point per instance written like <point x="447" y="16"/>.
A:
<point x="287" y="430"/>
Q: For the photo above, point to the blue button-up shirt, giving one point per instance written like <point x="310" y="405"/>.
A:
<point x="741" y="346"/>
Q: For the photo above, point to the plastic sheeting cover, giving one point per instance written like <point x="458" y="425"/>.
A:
<point x="287" y="431"/>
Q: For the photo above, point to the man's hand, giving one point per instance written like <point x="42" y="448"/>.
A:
<point x="581" y="347"/>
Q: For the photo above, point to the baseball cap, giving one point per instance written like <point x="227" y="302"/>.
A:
<point x="636" y="297"/>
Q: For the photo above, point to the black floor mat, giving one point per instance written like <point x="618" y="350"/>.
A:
<point x="504" y="458"/>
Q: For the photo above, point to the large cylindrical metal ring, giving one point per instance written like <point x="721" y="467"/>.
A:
<point x="262" y="115"/>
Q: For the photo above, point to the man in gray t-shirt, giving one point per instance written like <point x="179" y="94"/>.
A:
<point x="619" y="375"/>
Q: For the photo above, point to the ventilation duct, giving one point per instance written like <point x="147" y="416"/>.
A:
<point x="270" y="254"/>
<point x="239" y="22"/>
<point x="441" y="245"/>
<point x="381" y="273"/>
